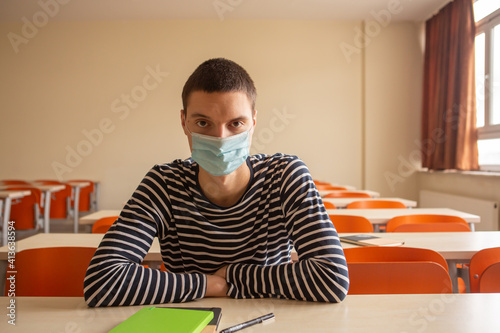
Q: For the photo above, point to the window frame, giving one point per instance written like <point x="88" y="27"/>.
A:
<point x="488" y="131"/>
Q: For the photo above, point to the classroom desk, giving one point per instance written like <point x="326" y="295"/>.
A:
<point x="47" y="190"/>
<point x="343" y="202"/>
<point x="61" y="239"/>
<point x="6" y="197"/>
<point x="381" y="216"/>
<point x="455" y="247"/>
<point x="458" y="313"/>
<point x="372" y="194"/>
<point x="91" y="218"/>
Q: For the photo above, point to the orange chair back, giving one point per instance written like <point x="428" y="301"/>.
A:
<point x="85" y="199"/>
<point x="398" y="278"/>
<point x="347" y="194"/>
<point x="102" y="225"/>
<point x="423" y="219"/>
<point x="432" y="227"/>
<point x="329" y="205"/>
<point x="60" y="200"/>
<point x="23" y="210"/>
<point x="350" y="223"/>
<point x="479" y="263"/>
<point x="490" y="279"/>
<point x="393" y="254"/>
<point x="51" y="272"/>
<point x="14" y="182"/>
<point x="372" y="204"/>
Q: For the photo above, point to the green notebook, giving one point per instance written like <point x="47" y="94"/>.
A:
<point x="152" y="319"/>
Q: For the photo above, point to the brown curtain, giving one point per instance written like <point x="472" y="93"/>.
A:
<point x="449" y="135"/>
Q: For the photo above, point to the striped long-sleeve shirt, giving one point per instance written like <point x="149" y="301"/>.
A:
<point x="280" y="209"/>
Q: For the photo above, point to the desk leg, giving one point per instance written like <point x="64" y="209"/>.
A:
<point x="6" y="217"/>
<point x="452" y="269"/>
<point x="76" y="209"/>
<point x="472" y="227"/>
<point x="376" y="228"/>
<point x="46" y="213"/>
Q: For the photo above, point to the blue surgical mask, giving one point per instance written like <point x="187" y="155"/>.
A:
<point x="220" y="156"/>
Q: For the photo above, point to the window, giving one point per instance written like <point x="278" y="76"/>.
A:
<point x="487" y="46"/>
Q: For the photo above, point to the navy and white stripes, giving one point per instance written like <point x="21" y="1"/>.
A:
<point x="281" y="209"/>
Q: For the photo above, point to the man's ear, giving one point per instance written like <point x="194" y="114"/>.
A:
<point x="183" y="121"/>
<point x="254" y="118"/>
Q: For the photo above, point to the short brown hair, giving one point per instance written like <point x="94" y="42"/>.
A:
<point x="219" y="75"/>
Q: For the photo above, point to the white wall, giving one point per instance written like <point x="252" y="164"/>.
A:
<point x="394" y="67"/>
<point x="71" y="77"/>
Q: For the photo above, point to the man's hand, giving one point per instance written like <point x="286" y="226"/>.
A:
<point x="216" y="283"/>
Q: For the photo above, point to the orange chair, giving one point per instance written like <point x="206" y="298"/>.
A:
<point x="432" y="227"/>
<point x="329" y="205"/>
<point x="26" y="211"/>
<point x="397" y="221"/>
<point x="102" y="225"/>
<point x="86" y="196"/>
<point x="479" y="263"/>
<point x="490" y="279"/>
<point x="351" y="223"/>
<point x="347" y="194"/>
<point x="372" y="204"/>
<point x="393" y="254"/>
<point x="53" y="271"/>
<point x="380" y="269"/>
<point x="9" y="182"/>
<point x="398" y="278"/>
<point x="60" y="200"/>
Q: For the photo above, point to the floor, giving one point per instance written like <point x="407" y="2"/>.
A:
<point x="56" y="226"/>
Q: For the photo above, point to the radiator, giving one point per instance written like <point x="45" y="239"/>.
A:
<point x="487" y="210"/>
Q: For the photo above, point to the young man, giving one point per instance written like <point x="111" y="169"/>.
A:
<point x="226" y="221"/>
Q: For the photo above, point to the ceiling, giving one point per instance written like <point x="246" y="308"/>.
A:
<point x="72" y="10"/>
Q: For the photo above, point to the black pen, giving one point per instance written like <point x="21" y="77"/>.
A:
<point x="248" y="323"/>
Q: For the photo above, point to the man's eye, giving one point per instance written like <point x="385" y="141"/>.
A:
<point x="237" y="124"/>
<point x="201" y="123"/>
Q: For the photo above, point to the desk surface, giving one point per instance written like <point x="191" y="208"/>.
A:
<point x="13" y="194"/>
<point x="343" y="202"/>
<point x="382" y="216"/>
<point x="92" y="217"/>
<point x="373" y="194"/>
<point x="60" y="239"/>
<point x="357" y="313"/>
<point x="452" y="245"/>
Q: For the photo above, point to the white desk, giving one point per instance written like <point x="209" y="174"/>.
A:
<point x="47" y="191"/>
<point x="372" y="194"/>
<point x="343" y="202"/>
<point x="381" y="216"/>
<point x="91" y="218"/>
<point x="7" y="197"/>
<point x="462" y="313"/>
<point x="455" y="247"/>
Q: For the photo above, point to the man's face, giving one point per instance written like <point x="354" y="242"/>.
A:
<point x="218" y="114"/>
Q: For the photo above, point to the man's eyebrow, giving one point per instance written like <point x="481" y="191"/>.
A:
<point x="201" y="115"/>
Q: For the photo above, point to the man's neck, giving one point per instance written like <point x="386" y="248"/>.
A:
<point x="225" y="191"/>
